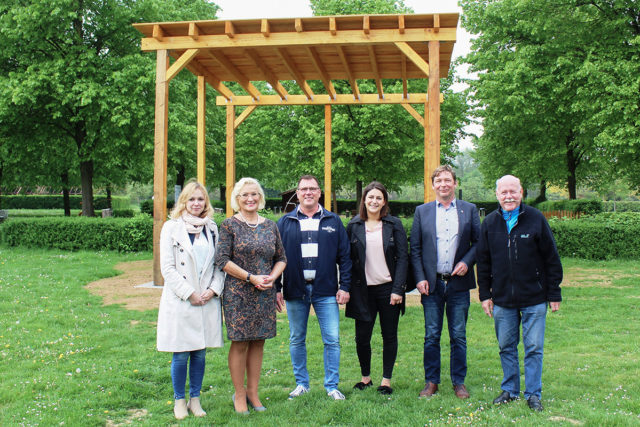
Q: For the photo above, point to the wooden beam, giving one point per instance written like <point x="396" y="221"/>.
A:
<point x="376" y="72"/>
<point x="403" y="72"/>
<point x="323" y="99"/>
<point x="265" y="28"/>
<point x="229" y="29"/>
<point x="160" y="139"/>
<point x="414" y="113"/>
<point x="194" y="31"/>
<point x="327" y="157"/>
<point x="230" y="162"/>
<point x="332" y="26"/>
<point x="201" y="151"/>
<point x="432" y="130"/>
<point x="182" y="62"/>
<point x="276" y="40"/>
<point x="436" y="23"/>
<point x="240" y="78"/>
<point x="158" y="33"/>
<point x="213" y="81"/>
<point x="289" y="64"/>
<point x="317" y="63"/>
<point x="270" y="77"/>
<point x="220" y="87"/>
<point x="366" y="26"/>
<point x="298" y="25"/>
<point x="347" y="68"/>
<point x="414" y="57"/>
<point x="401" y="24"/>
<point x="246" y="113"/>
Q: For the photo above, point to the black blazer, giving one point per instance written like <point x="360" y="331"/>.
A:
<point x="394" y="241"/>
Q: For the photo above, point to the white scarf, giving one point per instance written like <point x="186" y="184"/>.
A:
<point x="194" y="223"/>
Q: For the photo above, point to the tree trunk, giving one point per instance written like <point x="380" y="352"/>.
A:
<point x="86" y="177"/>
<point x="66" y="202"/>
<point x="358" y="194"/>
<point x="572" y="165"/>
<point x="180" y="176"/>
<point x="109" y="196"/>
<point x="543" y="192"/>
<point x="335" y="201"/>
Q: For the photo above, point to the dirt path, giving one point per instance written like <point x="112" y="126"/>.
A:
<point x="122" y="289"/>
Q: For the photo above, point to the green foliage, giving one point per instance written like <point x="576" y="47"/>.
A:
<point x="119" y="234"/>
<point x="557" y="91"/>
<point x="621" y="206"/>
<point x="603" y="236"/>
<point x="56" y="202"/>
<point x="123" y="213"/>
<point x="146" y="206"/>
<point x="576" y="205"/>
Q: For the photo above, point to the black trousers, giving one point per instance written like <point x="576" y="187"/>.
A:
<point x="378" y="301"/>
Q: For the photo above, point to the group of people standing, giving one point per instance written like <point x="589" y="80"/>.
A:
<point x="254" y="267"/>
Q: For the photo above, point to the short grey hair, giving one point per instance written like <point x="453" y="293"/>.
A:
<point x="506" y="178"/>
<point x="238" y="187"/>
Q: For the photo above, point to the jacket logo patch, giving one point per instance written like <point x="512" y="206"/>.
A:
<point x="328" y="229"/>
<point x="524" y="236"/>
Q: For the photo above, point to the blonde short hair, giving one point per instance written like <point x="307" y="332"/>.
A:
<point x="185" y="195"/>
<point x="238" y="187"/>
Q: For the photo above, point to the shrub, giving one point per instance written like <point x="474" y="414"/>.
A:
<point x="123" y="213"/>
<point x="577" y="205"/>
<point x="624" y="206"/>
<point x="119" y="234"/>
<point x="55" y="201"/>
<point x="146" y="206"/>
<point x="603" y="236"/>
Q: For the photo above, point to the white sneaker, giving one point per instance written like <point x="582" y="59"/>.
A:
<point x="336" y="395"/>
<point x="298" y="391"/>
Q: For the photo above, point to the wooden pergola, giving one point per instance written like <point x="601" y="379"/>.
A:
<point x="325" y="48"/>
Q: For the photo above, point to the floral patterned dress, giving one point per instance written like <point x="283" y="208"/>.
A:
<point x="249" y="314"/>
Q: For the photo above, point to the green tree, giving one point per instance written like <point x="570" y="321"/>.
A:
<point x="75" y="65"/>
<point x="557" y="90"/>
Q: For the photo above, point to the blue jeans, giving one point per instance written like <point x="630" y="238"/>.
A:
<point x="456" y="306"/>
<point x="328" y="315"/>
<point x="507" y="323"/>
<point x="179" y="372"/>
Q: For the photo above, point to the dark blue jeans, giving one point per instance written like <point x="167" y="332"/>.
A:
<point x="456" y="306"/>
<point x="196" y="361"/>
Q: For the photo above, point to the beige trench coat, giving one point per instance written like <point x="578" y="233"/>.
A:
<point x="182" y="326"/>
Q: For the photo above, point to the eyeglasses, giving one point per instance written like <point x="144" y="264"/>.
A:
<point x="308" y="189"/>
<point x="247" y="195"/>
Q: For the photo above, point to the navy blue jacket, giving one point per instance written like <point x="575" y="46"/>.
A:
<point x="333" y="248"/>
<point x="521" y="268"/>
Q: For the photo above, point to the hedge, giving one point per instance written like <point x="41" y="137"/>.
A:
<point x="146" y="206"/>
<point x="587" y="206"/>
<point x="118" y="234"/>
<point x="621" y="206"/>
<point x="597" y="237"/>
<point x="56" y="201"/>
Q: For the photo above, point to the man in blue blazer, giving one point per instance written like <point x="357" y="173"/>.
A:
<point x="443" y="252"/>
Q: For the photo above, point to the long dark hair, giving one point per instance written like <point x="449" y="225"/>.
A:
<point x="374" y="185"/>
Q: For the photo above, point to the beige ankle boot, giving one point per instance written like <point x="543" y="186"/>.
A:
<point x="180" y="409"/>
<point x="195" y="408"/>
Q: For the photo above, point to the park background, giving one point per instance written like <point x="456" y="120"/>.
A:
<point x="545" y="89"/>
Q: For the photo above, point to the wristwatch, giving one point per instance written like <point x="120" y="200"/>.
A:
<point x="248" y="277"/>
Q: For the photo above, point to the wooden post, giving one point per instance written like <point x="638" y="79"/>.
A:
<point x="160" y="159"/>
<point x="327" y="157"/>
<point x="231" y="156"/>
<point x="432" y="119"/>
<point x="201" y="130"/>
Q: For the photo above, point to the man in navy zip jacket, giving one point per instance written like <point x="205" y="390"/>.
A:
<point x="315" y="241"/>
<point x="519" y="273"/>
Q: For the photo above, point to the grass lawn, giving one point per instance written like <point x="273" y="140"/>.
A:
<point x="69" y="360"/>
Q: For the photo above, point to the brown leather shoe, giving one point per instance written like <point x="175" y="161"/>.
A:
<point x="461" y="391"/>
<point x="429" y="390"/>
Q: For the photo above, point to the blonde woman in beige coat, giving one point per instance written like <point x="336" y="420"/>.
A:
<point x="189" y="318"/>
